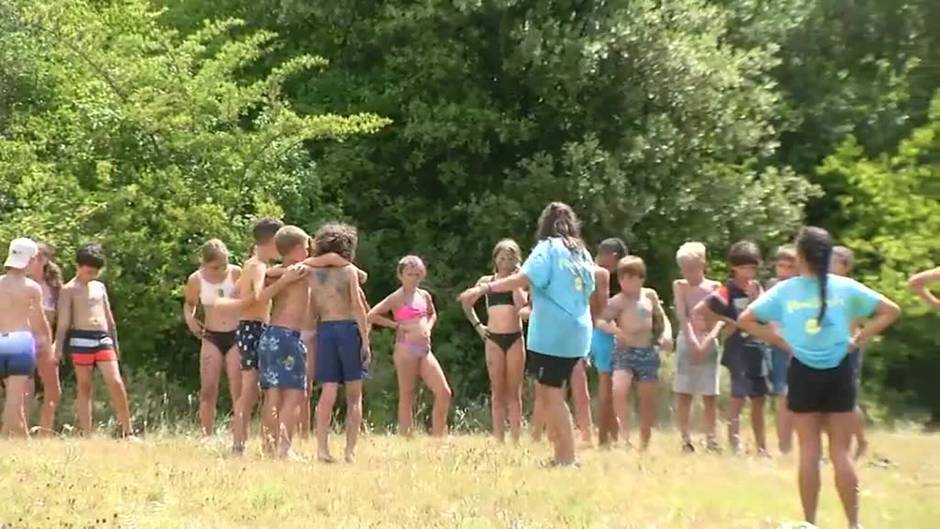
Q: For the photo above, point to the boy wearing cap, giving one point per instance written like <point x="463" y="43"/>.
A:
<point x="24" y="331"/>
<point x="86" y="330"/>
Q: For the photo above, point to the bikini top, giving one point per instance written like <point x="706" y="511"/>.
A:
<point x="210" y="292"/>
<point x="499" y="298"/>
<point x="412" y="311"/>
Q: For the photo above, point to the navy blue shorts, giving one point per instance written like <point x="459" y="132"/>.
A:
<point x="282" y="359"/>
<point x="339" y="352"/>
<point x="247" y="337"/>
<point x="17" y="354"/>
<point x="779" y="363"/>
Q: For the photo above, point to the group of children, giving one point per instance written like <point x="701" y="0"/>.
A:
<point x="280" y="328"/>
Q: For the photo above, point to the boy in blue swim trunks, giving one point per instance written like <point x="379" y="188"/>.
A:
<point x="609" y="252"/>
<point x="342" y="352"/>
<point x="24" y="332"/>
<point x="282" y="357"/>
<point x="784" y="268"/>
<point x="636" y="319"/>
<point x="743" y="355"/>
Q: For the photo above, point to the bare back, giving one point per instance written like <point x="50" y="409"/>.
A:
<point x="18" y="296"/>
<point x="290" y="306"/>
<point x="331" y="293"/>
<point x="250" y="283"/>
<point x="89" y="306"/>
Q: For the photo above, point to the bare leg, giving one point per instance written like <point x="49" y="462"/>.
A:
<point x="647" y="393"/>
<point x="233" y="372"/>
<point x="860" y="433"/>
<point x="496" y="368"/>
<point x="434" y="378"/>
<point x="270" y="422"/>
<point x="559" y="419"/>
<point x="784" y="425"/>
<point x="287" y="420"/>
<point x="757" y="423"/>
<point x="85" y="389"/>
<point x="710" y="403"/>
<point x="310" y="343"/>
<point x="244" y="408"/>
<point x="51" y="394"/>
<point x="538" y="416"/>
<point x="809" y="432"/>
<point x="683" y="410"/>
<point x="14" y="413"/>
<point x="581" y="395"/>
<point x="353" y="417"/>
<point x="118" y="394"/>
<point x="324" y="414"/>
<point x="841" y="428"/>
<point x="406" y="369"/>
<point x="608" y="425"/>
<point x="734" y="422"/>
<point x="621" y="391"/>
<point x="210" y="370"/>
<point x="515" y="372"/>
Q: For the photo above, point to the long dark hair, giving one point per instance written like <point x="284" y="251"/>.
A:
<point x="51" y="273"/>
<point x="815" y="247"/>
<point x="559" y="220"/>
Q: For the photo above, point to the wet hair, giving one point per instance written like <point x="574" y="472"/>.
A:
<point x="91" y="255"/>
<point x="337" y="238"/>
<point x="412" y="261"/>
<point x="631" y="265"/>
<point x="743" y="253"/>
<point x="265" y="229"/>
<point x="691" y="251"/>
<point x="845" y="255"/>
<point x="787" y="252"/>
<point x="613" y="246"/>
<point x="289" y="237"/>
<point x="815" y="247"/>
<point x="51" y="273"/>
<point x="559" y="220"/>
<point x="214" y="250"/>
<point x="506" y="245"/>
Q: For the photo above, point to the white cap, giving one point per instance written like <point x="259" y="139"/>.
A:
<point x="21" y="253"/>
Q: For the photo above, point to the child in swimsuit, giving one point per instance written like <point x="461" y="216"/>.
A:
<point x="215" y="279"/>
<point x="502" y="336"/>
<point x="414" y="318"/>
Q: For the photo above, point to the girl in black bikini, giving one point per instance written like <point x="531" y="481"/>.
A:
<point x="215" y="279"/>
<point x="504" y="344"/>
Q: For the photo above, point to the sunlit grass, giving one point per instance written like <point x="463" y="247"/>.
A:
<point x="466" y="481"/>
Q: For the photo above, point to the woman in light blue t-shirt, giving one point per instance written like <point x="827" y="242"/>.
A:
<point x="814" y="313"/>
<point x="560" y="274"/>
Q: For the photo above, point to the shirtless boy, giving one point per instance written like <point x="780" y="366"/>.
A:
<point x="342" y="336"/>
<point x="86" y="330"/>
<point x="24" y="332"/>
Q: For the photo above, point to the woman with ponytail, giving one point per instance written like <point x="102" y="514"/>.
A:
<point x="560" y="275"/>
<point x="814" y="313"/>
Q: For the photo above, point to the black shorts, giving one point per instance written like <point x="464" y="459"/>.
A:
<point x="821" y="390"/>
<point x="248" y="338"/>
<point x="550" y="370"/>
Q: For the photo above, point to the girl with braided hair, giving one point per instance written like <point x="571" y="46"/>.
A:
<point x="814" y="313"/>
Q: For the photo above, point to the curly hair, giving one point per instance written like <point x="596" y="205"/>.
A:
<point x="337" y="238"/>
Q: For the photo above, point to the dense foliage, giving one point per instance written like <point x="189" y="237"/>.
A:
<point x="152" y="130"/>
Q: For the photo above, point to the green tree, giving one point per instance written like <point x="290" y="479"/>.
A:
<point x="122" y="130"/>
<point x="892" y="206"/>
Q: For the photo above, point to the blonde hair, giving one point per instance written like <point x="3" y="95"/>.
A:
<point x="631" y="265"/>
<point x="412" y="261"/>
<point x="288" y="238"/>
<point x="506" y="245"/>
<point x="691" y="251"/>
<point x="214" y="250"/>
<point x="787" y="252"/>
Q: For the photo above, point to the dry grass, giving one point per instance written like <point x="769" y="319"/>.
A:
<point x="467" y="481"/>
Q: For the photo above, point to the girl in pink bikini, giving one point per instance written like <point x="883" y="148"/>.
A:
<point x="414" y="317"/>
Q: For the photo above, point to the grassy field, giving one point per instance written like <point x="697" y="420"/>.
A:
<point x="466" y="481"/>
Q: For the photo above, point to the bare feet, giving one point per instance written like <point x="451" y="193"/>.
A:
<point x="350" y="457"/>
<point x="325" y="457"/>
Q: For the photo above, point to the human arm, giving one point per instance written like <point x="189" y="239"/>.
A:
<point x="749" y="323"/>
<point x="359" y="311"/>
<point x="606" y="320"/>
<point x="432" y="312"/>
<point x="250" y="285"/>
<point x="703" y="343"/>
<point x="679" y="288"/>
<point x="659" y="313"/>
<point x="378" y="314"/>
<point x="291" y="274"/>
<point x="64" y="320"/>
<point x="112" y="326"/>
<point x="190" y="302"/>
<point x="919" y="285"/>
<point x="37" y="320"/>
<point x="506" y="284"/>
<point x="885" y="313"/>
<point x="470" y="312"/>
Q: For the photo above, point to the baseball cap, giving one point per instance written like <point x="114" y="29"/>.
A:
<point x="21" y="253"/>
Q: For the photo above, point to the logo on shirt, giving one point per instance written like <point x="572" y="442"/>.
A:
<point x="812" y="326"/>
